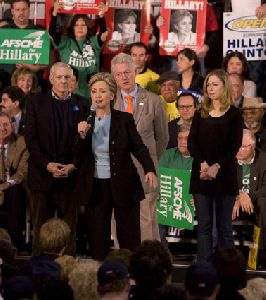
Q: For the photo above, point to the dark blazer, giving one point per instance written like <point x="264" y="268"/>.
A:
<point x="124" y="140"/>
<point x="21" y="128"/>
<point x="40" y="136"/>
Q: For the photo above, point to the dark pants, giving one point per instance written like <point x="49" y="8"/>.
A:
<point x="60" y="199"/>
<point x="205" y="214"/>
<point x="13" y="213"/>
<point x="99" y="212"/>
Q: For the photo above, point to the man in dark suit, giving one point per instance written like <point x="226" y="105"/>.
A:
<point x="13" y="173"/>
<point x="237" y="82"/>
<point x="252" y="183"/>
<point x="51" y="126"/>
<point x="12" y="103"/>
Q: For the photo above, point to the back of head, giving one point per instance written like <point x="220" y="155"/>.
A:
<point x="54" y="236"/>
<point x="120" y="255"/>
<point x="151" y="265"/>
<point x="231" y="268"/>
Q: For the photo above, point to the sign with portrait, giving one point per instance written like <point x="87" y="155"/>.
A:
<point x="246" y="34"/>
<point x="24" y="45"/>
<point x="80" y="6"/>
<point x="126" y="21"/>
<point x="184" y="26"/>
<point x="174" y="207"/>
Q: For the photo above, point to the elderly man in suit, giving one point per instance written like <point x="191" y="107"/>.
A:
<point x="13" y="172"/>
<point x="151" y="122"/>
<point x="51" y="127"/>
<point x="252" y="183"/>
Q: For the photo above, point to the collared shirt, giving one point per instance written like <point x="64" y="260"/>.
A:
<point x="16" y="122"/>
<point x="11" y="181"/>
<point x="133" y="94"/>
<point x="58" y="98"/>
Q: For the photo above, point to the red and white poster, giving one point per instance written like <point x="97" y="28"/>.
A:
<point x="126" y="21"/>
<point x="80" y="6"/>
<point x="184" y="26"/>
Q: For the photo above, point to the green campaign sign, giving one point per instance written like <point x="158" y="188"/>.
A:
<point x="174" y="208"/>
<point x="24" y="45"/>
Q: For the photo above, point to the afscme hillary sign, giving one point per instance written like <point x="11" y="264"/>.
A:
<point x="246" y="34"/>
<point x="23" y="45"/>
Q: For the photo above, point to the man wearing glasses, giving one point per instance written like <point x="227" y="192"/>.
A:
<point x="187" y="105"/>
<point x="252" y="187"/>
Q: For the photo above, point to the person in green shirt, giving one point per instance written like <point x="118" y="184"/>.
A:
<point x="176" y="158"/>
<point x="80" y="48"/>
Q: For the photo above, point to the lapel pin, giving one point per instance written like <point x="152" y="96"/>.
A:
<point x="75" y="108"/>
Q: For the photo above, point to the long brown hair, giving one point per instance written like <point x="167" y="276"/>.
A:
<point x="226" y="98"/>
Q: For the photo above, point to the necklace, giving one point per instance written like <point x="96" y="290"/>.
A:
<point x="99" y="118"/>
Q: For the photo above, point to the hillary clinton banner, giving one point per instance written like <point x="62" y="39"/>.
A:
<point x="174" y="207"/>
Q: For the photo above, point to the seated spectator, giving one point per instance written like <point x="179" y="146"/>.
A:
<point x="12" y="103"/>
<point x="201" y="282"/>
<point x="25" y="79"/>
<point x="169" y="85"/>
<point x="151" y="268"/>
<point x="252" y="183"/>
<point x="187" y="105"/>
<point x="253" y="112"/>
<point x="230" y="265"/>
<point x="256" y="287"/>
<point x="237" y="82"/>
<point x="145" y="77"/>
<point x="13" y="172"/>
<point x="236" y="62"/>
<point x="113" y="281"/>
<point x="83" y="280"/>
<point x="176" y="158"/>
<point x="189" y="68"/>
<point x="54" y="238"/>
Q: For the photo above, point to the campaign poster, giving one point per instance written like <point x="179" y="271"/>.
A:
<point x="184" y="27"/>
<point x="126" y="21"/>
<point x="246" y="34"/>
<point x="80" y="6"/>
<point x="29" y="46"/>
<point x="37" y="11"/>
<point x="174" y="207"/>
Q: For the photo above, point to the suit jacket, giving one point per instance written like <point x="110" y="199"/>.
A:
<point x="124" y="139"/>
<point x="257" y="184"/>
<point x="40" y="136"/>
<point x="151" y="122"/>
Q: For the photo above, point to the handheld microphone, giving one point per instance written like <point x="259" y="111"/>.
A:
<point x="91" y="119"/>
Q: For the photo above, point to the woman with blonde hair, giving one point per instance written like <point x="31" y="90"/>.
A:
<point x="214" y="140"/>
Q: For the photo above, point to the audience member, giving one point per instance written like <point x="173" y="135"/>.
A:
<point x="51" y="122"/>
<point x="189" y="68"/>
<point x="236" y="62"/>
<point x="80" y="48"/>
<point x="113" y="281"/>
<point x="201" y="282"/>
<point x="83" y="280"/>
<point x="67" y="263"/>
<point x="230" y="265"/>
<point x="252" y="183"/>
<point x="253" y="112"/>
<point x="144" y="76"/>
<point x="151" y="268"/>
<point x="169" y="85"/>
<point x="169" y="292"/>
<point x="214" y="139"/>
<point x="13" y="173"/>
<point x="74" y="81"/>
<point x="110" y="185"/>
<point x="119" y="255"/>
<point x="237" y="82"/>
<point x="12" y="103"/>
<point x="19" y="287"/>
<point x="150" y="119"/>
<point x="186" y="104"/>
<point x="255" y="289"/>
<point x="176" y="158"/>
<point x="25" y="79"/>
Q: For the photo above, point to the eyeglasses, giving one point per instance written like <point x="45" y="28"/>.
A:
<point x="185" y="107"/>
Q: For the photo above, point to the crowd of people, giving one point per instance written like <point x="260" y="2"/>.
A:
<point x="79" y="141"/>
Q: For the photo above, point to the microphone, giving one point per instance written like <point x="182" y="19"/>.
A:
<point x="91" y="119"/>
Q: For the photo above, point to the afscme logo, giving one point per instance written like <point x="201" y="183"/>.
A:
<point x="247" y="24"/>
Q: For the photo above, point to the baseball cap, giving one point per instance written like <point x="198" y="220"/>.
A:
<point x="111" y="271"/>
<point x="170" y="75"/>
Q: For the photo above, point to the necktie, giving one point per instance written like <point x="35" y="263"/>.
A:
<point x="2" y="165"/>
<point x="129" y="104"/>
